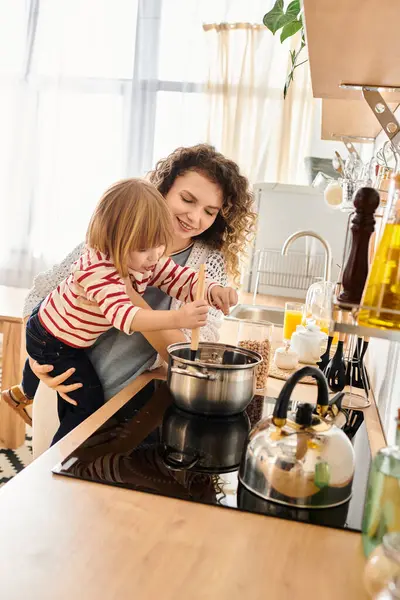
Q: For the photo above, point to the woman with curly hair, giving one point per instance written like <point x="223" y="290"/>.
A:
<point x="211" y="206"/>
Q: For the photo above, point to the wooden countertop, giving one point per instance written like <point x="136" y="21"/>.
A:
<point x="62" y="538"/>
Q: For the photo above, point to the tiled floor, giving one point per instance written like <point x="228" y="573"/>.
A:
<point x="13" y="461"/>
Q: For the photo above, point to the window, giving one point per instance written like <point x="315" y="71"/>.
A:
<point x="91" y="92"/>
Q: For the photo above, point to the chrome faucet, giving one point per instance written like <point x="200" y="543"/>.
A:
<point x="328" y="251"/>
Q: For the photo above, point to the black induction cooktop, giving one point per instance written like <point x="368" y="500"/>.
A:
<point x="152" y="446"/>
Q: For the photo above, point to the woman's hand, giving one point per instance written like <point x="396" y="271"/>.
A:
<point x="55" y="383"/>
<point x="223" y="298"/>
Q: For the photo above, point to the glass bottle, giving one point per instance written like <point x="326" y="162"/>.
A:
<point x="384" y="184"/>
<point x="391" y="592"/>
<point x="383" y="564"/>
<point x="381" y="297"/>
<point x="319" y="306"/>
<point x="382" y="503"/>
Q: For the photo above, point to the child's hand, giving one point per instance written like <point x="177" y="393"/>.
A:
<point x="192" y="315"/>
<point x="223" y="298"/>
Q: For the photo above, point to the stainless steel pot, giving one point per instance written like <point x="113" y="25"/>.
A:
<point x="201" y="443"/>
<point x="221" y="382"/>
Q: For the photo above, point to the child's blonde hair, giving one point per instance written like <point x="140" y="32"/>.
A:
<point x="131" y="216"/>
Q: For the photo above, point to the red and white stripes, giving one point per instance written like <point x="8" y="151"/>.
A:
<point x="68" y="316"/>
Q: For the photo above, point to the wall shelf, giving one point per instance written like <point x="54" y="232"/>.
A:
<point x="353" y="42"/>
<point x="349" y="325"/>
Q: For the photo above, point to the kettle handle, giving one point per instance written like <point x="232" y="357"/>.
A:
<point x="282" y="403"/>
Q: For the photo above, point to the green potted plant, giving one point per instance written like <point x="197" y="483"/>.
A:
<point x="290" y="21"/>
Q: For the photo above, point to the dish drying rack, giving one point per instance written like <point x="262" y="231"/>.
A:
<point x="296" y="270"/>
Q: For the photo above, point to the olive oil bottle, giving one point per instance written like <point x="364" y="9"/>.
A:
<point x="381" y="297"/>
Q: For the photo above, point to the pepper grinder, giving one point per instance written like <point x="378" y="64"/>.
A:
<point x="355" y="273"/>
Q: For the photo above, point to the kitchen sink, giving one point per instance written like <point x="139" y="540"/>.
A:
<point x="251" y="312"/>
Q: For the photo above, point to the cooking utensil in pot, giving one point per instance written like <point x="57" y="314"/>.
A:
<point x="201" y="283"/>
<point x="222" y="381"/>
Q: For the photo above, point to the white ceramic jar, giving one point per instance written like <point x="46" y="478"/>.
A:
<point x="286" y="359"/>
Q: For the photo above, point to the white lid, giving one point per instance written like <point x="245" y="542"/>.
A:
<point x="286" y="351"/>
<point x="300" y="329"/>
<point x="312" y="327"/>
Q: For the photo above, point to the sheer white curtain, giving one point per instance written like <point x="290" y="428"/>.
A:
<point x="248" y="118"/>
<point x="65" y="82"/>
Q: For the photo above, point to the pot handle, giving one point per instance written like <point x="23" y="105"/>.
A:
<point x="178" y="465"/>
<point x="282" y="403"/>
<point x="196" y="374"/>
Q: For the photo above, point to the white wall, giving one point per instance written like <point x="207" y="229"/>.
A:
<point x="323" y="148"/>
<point x="284" y="209"/>
<point x="383" y="361"/>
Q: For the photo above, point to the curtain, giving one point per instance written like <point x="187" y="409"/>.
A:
<point x="248" y="119"/>
<point x="66" y="86"/>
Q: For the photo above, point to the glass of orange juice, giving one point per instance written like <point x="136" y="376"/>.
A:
<point x="294" y="315"/>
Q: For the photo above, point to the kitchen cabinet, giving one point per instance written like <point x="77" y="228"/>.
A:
<point x="352" y="43"/>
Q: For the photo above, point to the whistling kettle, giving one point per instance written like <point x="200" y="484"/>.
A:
<point x="303" y="458"/>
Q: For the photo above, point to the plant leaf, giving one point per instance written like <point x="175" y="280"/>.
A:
<point x="292" y="11"/>
<point x="290" y="29"/>
<point x="273" y="20"/>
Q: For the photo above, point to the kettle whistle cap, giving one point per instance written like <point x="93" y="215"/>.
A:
<point x="304" y="414"/>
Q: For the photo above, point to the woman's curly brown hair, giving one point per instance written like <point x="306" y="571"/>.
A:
<point x="235" y="223"/>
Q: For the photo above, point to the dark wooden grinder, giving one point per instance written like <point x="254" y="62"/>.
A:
<point x="366" y="202"/>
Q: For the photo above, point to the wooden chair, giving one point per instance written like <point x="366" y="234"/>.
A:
<point x="12" y="427"/>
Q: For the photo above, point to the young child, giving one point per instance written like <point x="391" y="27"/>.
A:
<point x="126" y="242"/>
